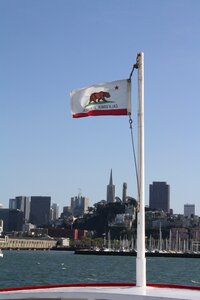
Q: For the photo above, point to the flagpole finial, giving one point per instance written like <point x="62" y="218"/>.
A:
<point x="138" y="60"/>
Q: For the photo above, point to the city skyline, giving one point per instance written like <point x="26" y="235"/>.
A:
<point x="159" y="197"/>
<point x="49" y="48"/>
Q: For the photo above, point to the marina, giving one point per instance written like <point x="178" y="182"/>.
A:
<point x="134" y="253"/>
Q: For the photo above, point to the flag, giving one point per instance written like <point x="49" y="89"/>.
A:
<point x="109" y="98"/>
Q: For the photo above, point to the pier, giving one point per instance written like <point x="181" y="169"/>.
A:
<point x="134" y="253"/>
<point x="12" y="243"/>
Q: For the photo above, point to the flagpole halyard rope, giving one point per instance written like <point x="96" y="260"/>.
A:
<point x="134" y="155"/>
<point x="135" y="66"/>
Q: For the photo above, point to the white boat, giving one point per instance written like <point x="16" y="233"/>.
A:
<point x="114" y="291"/>
<point x="104" y="292"/>
<point x="1" y="253"/>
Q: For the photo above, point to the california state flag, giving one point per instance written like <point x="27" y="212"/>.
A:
<point x="109" y="98"/>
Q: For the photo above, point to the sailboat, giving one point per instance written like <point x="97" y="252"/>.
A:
<point x="117" y="291"/>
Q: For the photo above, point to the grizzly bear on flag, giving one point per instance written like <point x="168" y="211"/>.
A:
<point x="97" y="97"/>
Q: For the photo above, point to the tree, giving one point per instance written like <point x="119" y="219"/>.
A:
<point x="102" y="215"/>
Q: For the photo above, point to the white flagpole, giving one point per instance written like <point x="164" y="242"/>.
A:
<point x="141" y="260"/>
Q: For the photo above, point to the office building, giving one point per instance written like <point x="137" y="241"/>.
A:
<point x="40" y="210"/>
<point x="85" y="204"/>
<point x="12" y="219"/>
<point x="21" y="203"/>
<point x="110" y="190"/>
<point x="189" y="210"/>
<point x="12" y="203"/>
<point x="54" y="211"/>
<point x="159" y="196"/>
<point x="79" y="205"/>
<point x="66" y="212"/>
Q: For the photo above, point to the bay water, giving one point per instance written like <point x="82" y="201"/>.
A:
<point x="25" y="268"/>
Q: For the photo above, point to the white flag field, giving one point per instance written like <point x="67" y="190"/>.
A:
<point x="109" y="98"/>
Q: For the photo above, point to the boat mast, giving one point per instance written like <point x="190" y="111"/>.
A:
<point x="141" y="260"/>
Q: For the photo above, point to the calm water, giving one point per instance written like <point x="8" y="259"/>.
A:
<point x="21" y="268"/>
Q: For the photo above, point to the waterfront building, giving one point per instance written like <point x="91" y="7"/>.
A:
<point x="195" y="233"/>
<point x="159" y="196"/>
<point x="40" y="210"/>
<point x="124" y="192"/>
<point x="189" y="210"/>
<point x="110" y="190"/>
<point x="11" y="242"/>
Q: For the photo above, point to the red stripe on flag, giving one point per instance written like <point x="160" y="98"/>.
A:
<point x="111" y="112"/>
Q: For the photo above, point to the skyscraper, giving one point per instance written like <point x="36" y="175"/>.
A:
<point x="55" y="211"/>
<point x="189" y="210"/>
<point x="12" y="203"/>
<point x="40" y="210"/>
<point x="12" y="219"/>
<point x="21" y="203"/>
<point x="85" y="204"/>
<point x="124" y="192"/>
<point x="110" y="190"/>
<point x="79" y="205"/>
<point x="159" y="196"/>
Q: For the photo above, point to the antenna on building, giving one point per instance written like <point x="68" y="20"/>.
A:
<point x="79" y="193"/>
<point x="111" y="178"/>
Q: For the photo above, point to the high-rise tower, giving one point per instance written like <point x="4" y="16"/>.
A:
<point x="159" y="196"/>
<point x="110" y="190"/>
<point x="21" y="203"/>
<point x="40" y="210"/>
<point x="55" y="211"/>
<point x="124" y="192"/>
<point x="79" y="205"/>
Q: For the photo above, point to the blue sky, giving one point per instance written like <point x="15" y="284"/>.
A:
<point x="48" y="48"/>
